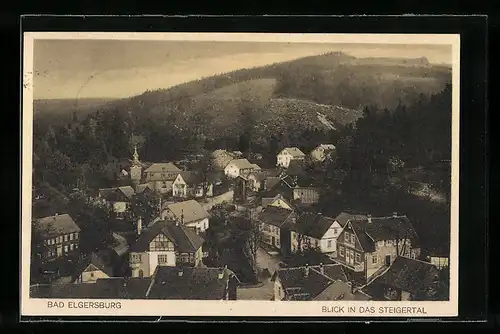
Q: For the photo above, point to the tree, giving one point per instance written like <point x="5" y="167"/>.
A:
<point x="145" y="205"/>
<point x="205" y="168"/>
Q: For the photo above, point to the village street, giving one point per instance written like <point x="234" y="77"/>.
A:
<point x="210" y="202"/>
<point x="263" y="290"/>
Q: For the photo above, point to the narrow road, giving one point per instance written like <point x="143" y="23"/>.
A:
<point x="264" y="290"/>
<point x="225" y="197"/>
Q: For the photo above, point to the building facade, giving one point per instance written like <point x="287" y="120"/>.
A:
<point x="55" y="237"/>
<point x="288" y="154"/>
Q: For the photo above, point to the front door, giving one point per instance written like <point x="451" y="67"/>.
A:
<point x="59" y="251"/>
<point x="349" y="257"/>
<point x="387" y="260"/>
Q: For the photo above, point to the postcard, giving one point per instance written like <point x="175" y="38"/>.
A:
<point x="240" y="174"/>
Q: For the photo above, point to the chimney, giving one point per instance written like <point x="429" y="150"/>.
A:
<point x="369" y="217"/>
<point x="139" y="226"/>
<point x="321" y="269"/>
<point x="394" y="214"/>
<point x="307" y="270"/>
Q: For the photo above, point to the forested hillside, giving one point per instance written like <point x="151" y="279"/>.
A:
<point x="300" y="103"/>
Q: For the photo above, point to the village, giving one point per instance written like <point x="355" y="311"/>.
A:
<point x="233" y="227"/>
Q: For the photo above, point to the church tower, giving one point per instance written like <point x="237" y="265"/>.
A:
<point x="136" y="169"/>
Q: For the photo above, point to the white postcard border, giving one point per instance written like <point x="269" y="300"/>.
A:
<point x="241" y="308"/>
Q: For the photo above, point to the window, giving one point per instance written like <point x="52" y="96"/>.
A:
<point x="65" y="237"/>
<point x="71" y="246"/>
<point x="413" y="255"/>
<point x="71" y="236"/>
<point x="76" y="246"/>
<point x="184" y="257"/>
<point x="335" y="230"/>
<point x="380" y="244"/>
<point x="352" y="239"/>
<point x="92" y="274"/>
<point x="341" y="250"/>
<point x="65" y="248"/>
<point x="347" y="238"/>
<point x="141" y="273"/>
<point x="374" y="258"/>
<point x="162" y="259"/>
<point x="329" y="244"/>
<point x="358" y="258"/>
<point x="76" y="235"/>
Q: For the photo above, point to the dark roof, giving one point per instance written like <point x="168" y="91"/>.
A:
<point x="103" y="288"/>
<point x="299" y="286"/>
<point x="52" y="226"/>
<point x="295" y="167"/>
<point x="117" y="194"/>
<point x="312" y="224"/>
<point x="162" y="167"/>
<point x="275" y="216"/>
<point x="195" y="283"/>
<point x="344" y="217"/>
<point x="191" y="178"/>
<point x="98" y="260"/>
<point x="142" y="187"/>
<point x="184" y="238"/>
<point x="263" y="174"/>
<point x="383" y="228"/>
<point x="406" y="274"/>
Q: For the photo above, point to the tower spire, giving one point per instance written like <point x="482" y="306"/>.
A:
<point x="136" y="156"/>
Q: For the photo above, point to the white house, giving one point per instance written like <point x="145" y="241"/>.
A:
<point x="161" y="176"/>
<point x="188" y="213"/>
<point x="91" y="268"/>
<point x="313" y="230"/>
<point x="189" y="184"/>
<point x="239" y="167"/>
<point x="288" y="154"/>
<point x="322" y="151"/>
<point x="118" y="198"/>
<point x="165" y="243"/>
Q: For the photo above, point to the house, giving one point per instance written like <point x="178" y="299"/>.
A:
<point x="274" y="222"/>
<point x="278" y="201"/>
<point x="322" y="151"/>
<point x="221" y="158"/>
<point x="295" y="168"/>
<point x="288" y="154"/>
<point x="370" y="245"/>
<point x="189" y="213"/>
<point x="405" y="279"/>
<point x="257" y="178"/>
<point x="55" y="237"/>
<point x="314" y="231"/>
<point x="239" y="167"/>
<point x="118" y="198"/>
<point x="322" y="282"/>
<point x="198" y="283"/>
<point x="92" y="267"/>
<point x="189" y="184"/>
<point x="166" y="283"/>
<point x="161" y="176"/>
<point x="165" y="243"/>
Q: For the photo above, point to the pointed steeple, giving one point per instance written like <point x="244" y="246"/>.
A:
<point x="136" y="157"/>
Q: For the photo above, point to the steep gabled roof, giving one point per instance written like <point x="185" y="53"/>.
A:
<point x="242" y="164"/>
<point x="53" y="226"/>
<point x="167" y="167"/>
<point x="407" y="274"/>
<point x="275" y="216"/>
<point x="198" y="283"/>
<point x="301" y="286"/>
<point x="191" y="178"/>
<point x="344" y="217"/>
<point x="143" y="187"/>
<point x="293" y="151"/>
<point x="190" y="210"/>
<point x="117" y="194"/>
<point x="383" y="228"/>
<point x="312" y="224"/>
<point x="98" y="261"/>
<point x="184" y="238"/>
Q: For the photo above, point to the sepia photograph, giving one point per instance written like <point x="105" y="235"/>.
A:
<point x="186" y="174"/>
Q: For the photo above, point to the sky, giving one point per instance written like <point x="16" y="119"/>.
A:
<point x="116" y="69"/>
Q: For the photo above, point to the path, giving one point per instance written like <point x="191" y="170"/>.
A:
<point x="225" y="197"/>
<point x="263" y="291"/>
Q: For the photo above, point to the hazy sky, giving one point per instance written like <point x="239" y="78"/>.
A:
<point x="104" y="68"/>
